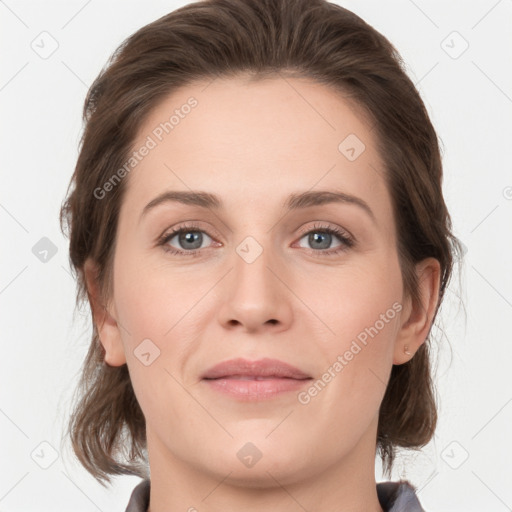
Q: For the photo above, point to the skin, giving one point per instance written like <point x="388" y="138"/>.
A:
<point x="253" y="144"/>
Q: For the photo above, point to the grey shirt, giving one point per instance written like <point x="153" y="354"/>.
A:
<point x="393" y="497"/>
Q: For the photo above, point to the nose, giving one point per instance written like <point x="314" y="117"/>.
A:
<point x="255" y="296"/>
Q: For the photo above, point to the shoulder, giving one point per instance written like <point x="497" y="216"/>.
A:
<point x="393" y="496"/>
<point x="139" y="499"/>
<point x="398" y="497"/>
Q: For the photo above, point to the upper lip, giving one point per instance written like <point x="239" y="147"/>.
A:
<point x="261" y="368"/>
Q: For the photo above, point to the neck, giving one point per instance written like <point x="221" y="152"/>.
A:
<point x="348" y="486"/>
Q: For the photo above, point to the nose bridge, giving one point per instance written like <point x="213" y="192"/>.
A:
<point x="255" y="295"/>
<point x="254" y="259"/>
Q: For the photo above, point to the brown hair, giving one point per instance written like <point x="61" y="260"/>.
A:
<point x="226" y="38"/>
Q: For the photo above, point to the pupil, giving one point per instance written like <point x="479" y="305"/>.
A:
<point x="324" y="237"/>
<point x="190" y="237"/>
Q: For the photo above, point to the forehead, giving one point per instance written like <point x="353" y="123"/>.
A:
<point x="246" y="139"/>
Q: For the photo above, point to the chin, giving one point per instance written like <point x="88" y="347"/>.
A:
<point x="258" y="464"/>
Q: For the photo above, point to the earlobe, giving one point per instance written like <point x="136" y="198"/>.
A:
<point x="104" y="319"/>
<point x="417" y="318"/>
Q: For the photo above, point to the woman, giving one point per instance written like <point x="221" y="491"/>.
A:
<point x="264" y="366"/>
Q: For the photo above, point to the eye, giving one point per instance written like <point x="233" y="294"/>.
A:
<point x="186" y="240"/>
<point x="321" y="238"/>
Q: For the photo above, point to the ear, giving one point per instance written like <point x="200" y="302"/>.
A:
<point x="104" y="318"/>
<point x="417" y="318"/>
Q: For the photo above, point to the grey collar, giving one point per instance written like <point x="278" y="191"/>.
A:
<point x="393" y="497"/>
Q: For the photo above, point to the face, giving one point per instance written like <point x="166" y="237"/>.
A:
<point x="270" y="268"/>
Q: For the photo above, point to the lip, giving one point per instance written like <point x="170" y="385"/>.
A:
<point x="261" y="368"/>
<point x="254" y="380"/>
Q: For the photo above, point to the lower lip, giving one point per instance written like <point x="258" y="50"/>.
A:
<point x="255" y="389"/>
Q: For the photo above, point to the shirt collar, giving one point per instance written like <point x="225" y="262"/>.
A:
<point x="393" y="497"/>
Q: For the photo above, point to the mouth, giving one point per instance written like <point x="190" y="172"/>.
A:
<point x="255" y="380"/>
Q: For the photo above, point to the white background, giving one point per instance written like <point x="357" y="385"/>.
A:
<point x="469" y="99"/>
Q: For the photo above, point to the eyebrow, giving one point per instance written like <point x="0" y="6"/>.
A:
<point x="293" y="202"/>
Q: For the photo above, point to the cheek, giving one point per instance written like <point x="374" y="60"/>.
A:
<point x="153" y="301"/>
<point x="358" y="364"/>
<point x="359" y="298"/>
<point x="370" y="313"/>
<point x="152" y="305"/>
<point x="364" y="308"/>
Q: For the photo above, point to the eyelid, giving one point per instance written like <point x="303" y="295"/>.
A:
<point x="345" y="237"/>
<point x="320" y="225"/>
<point x="164" y="239"/>
<point x="191" y="225"/>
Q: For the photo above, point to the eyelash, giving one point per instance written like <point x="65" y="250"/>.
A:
<point x="347" y="241"/>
